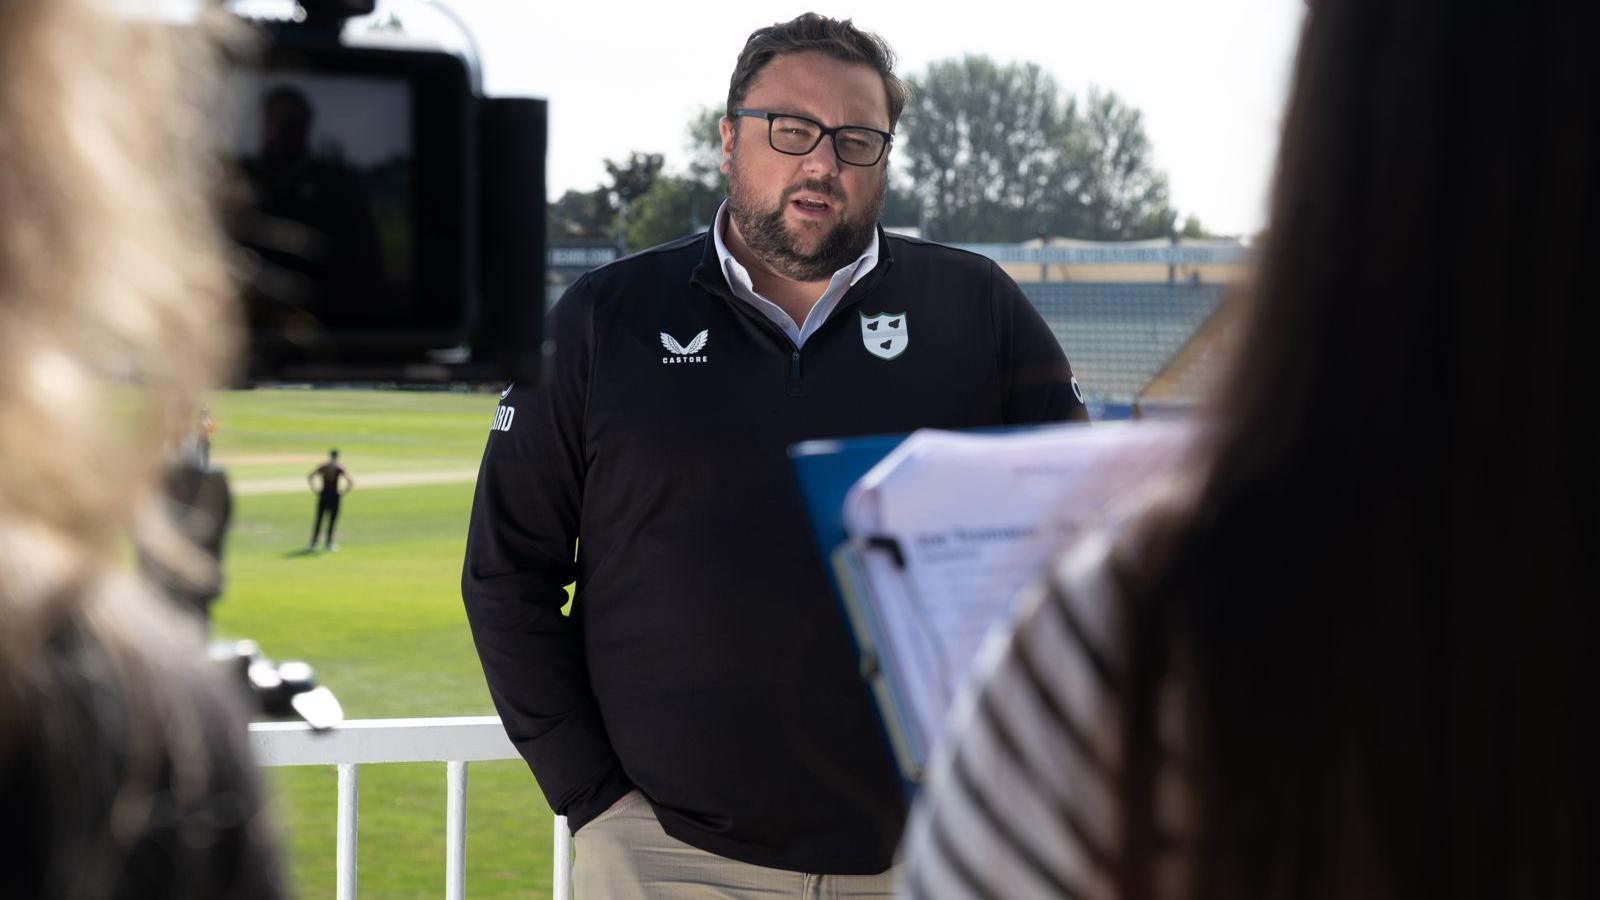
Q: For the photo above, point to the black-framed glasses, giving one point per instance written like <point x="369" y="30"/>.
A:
<point x="798" y="135"/>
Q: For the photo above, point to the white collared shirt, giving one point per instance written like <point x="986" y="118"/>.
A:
<point x="743" y="288"/>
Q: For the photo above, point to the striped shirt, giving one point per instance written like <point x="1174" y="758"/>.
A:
<point x="1021" y="801"/>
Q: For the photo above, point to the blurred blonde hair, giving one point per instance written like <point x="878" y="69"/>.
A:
<point x="115" y="317"/>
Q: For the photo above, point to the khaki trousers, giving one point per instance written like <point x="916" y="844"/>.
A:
<point x="625" y="855"/>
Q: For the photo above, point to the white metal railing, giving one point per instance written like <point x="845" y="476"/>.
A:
<point x="453" y="741"/>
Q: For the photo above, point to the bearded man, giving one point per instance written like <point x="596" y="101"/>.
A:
<point x="699" y="717"/>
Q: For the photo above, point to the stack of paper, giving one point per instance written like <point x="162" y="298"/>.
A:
<point x="944" y="531"/>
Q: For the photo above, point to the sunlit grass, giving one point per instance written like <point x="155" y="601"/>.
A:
<point x="381" y="621"/>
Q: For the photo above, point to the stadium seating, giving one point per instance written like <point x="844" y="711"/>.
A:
<point x="1120" y="335"/>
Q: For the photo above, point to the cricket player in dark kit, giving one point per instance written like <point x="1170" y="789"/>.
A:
<point x="336" y="482"/>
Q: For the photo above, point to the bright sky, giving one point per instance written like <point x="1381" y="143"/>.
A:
<point x="1209" y="75"/>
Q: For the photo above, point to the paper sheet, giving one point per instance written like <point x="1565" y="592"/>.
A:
<point x="975" y="517"/>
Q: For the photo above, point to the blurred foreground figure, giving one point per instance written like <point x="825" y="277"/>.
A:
<point x="1353" y="655"/>
<point x="123" y="766"/>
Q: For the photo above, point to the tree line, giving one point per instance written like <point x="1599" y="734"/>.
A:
<point x="984" y="152"/>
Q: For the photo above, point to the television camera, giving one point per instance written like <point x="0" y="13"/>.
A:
<point x="392" y="216"/>
<point x="391" y="219"/>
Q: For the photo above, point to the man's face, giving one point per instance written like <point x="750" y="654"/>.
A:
<point x="283" y="130"/>
<point x="806" y="216"/>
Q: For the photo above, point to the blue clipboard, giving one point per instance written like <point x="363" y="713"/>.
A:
<point x="826" y="470"/>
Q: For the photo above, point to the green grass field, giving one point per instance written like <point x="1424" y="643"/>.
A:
<point x="381" y="621"/>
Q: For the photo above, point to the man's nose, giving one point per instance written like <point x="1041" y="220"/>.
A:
<point x="823" y="159"/>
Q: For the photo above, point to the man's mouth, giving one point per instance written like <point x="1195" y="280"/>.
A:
<point x="811" y="204"/>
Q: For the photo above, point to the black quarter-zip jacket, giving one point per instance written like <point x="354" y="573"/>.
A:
<point x="704" y="661"/>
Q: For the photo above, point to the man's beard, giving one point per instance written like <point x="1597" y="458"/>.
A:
<point x="770" y="240"/>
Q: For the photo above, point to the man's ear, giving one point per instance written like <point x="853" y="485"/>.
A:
<point x="730" y="137"/>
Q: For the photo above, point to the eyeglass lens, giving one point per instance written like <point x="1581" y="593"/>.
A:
<point x="858" y="146"/>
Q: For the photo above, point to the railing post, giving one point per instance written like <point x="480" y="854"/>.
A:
<point x="562" y="889"/>
<point x="346" y="847"/>
<point x="455" y="741"/>
<point x="455" y="841"/>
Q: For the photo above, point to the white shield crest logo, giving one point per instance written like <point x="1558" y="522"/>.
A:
<point x="885" y="335"/>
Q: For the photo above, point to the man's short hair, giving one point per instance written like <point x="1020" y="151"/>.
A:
<point x="333" y="453"/>
<point x="812" y="33"/>
<point x="293" y="96"/>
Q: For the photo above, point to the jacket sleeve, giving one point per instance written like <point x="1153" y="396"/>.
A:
<point x="521" y="546"/>
<point x="1040" y="386"/>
